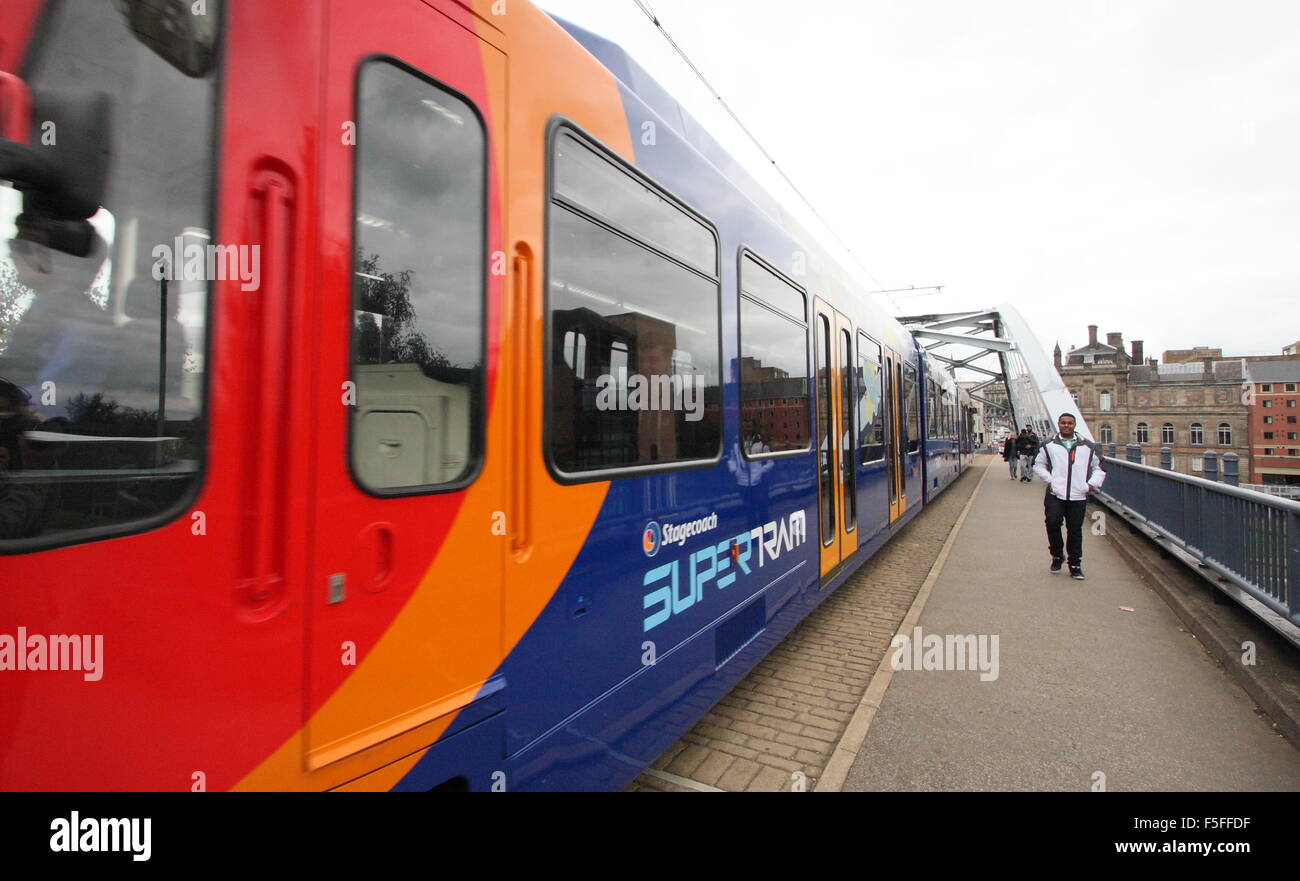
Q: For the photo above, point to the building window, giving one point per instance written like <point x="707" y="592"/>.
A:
<point x="637" y="276"/>
<point x="418" y="283"/>
<point x="1107" y="434"/>
<point x="1268" y="420"/>
<point x="1103" y="401"/>
<point x="1268" y="435"/>
<point x="1291" y="435"/>
<point x="1293" y="452"/>
<point x="773" y="361"/>
<point x="1198" y="433"/>
<point x="1266" y="387"/>
<point x="1167" y="433"/>
<point x="1290" y="386"/>
<point x="1143" y="433"/>
<point x="1225" y="434"/>
<point x="1195" y="463"/>
<point x="1291" y="403"/>
<point x="1268" y="405"/>
<point x="1268" y="451"/>
<point x="1290" y="420"/>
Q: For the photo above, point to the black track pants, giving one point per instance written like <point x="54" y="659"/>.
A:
<point x="1072" y="513"/>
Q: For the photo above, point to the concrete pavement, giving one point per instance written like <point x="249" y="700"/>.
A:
<point x="1088" y="694"/>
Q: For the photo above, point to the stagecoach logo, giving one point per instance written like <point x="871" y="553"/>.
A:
<point x="677" y="585"/>
<point x="650" y="539"/>
<point x="656" y="536"/>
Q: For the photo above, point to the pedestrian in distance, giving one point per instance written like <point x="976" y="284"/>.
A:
<point x="1009" y="454"/>
<point x="1071" y="468"/>
<point x="1027" y="447"/>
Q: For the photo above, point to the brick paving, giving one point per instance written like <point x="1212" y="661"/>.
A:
<point x="787" y="715"/>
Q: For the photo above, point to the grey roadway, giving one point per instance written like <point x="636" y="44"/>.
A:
<point x="1083" y="686"/>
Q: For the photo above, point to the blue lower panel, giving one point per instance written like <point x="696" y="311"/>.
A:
<point x="611" y="742"/>
<point x="470" y="760"/>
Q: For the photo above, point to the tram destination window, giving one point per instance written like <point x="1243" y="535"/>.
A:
<point x="103" y="318"/>
<point x="632" y="299"/>
<point x="871" y="411"/>
<point x="773" y="363"/>
<point x="418" y="283"/>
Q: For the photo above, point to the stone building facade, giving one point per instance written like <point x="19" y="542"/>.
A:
<point x="1192" y="402"/>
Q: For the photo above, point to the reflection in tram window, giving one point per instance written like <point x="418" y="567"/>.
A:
<point x="102" y="321"/>
<point x="848" y="473"/>
<point x="932" y="428"/>
<point x="774" y="415"/>
<point x="418" y="279"/>
<point x="871" y="411"/>
<point x="825" y="471"/>
<point x="633" y="277"/>
<point x="912" y="399"/>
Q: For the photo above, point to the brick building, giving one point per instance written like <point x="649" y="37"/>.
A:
<point x="1275" y="420"/>
<point x="1190" y="401"/>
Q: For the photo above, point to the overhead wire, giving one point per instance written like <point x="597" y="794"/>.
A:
<point x="654" y="19"/>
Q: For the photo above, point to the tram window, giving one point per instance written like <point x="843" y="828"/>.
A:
<point x="102" y="357"/>
<point x="635" y="276"/>
<point x="418" y="283"/>
<point x="912" y="398"/>
<point x="773" y="363"/>
<point x="871" y="412"/>
<point x="590" y="182"/>
<point x="848" y="481"/>
<point x="931" y="409"/>
<point x="826" y="459"/>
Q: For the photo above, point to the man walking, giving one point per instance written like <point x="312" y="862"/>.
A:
<point x="1027" y="446"/>
<point x="1009" y="454"/>
<point x="1071" y="468"/>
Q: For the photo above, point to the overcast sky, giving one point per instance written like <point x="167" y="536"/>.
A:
<point x="1130" y="164"/>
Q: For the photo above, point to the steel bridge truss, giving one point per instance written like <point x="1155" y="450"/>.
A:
<point x="1036" y="394"/>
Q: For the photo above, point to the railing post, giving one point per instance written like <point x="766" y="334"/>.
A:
<point x="1211" y="465"/>
<point x="1133" y="453"/>
<point x="1230" y="474"/>
<point x="1293" y="566"/>
<point x="1166" y="458"/>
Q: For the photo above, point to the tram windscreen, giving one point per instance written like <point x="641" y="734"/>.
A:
<point x="103" y="317"/>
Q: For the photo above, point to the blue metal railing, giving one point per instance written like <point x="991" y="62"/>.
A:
<point x="1251" y="539"/>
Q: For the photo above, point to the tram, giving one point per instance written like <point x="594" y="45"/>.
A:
<point x="407" y="395"/>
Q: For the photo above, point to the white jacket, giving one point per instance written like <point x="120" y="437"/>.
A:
<point x="1069" y="472"/>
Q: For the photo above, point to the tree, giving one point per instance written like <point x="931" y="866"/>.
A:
<point x="395" y="338"/>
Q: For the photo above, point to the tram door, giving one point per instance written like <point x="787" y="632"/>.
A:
<point x="837" y="494"/>
<point x="895" y="447"/>
<point x="406" y="593"/>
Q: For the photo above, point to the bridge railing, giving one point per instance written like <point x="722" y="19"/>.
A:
<point x="1249" y="538"/>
